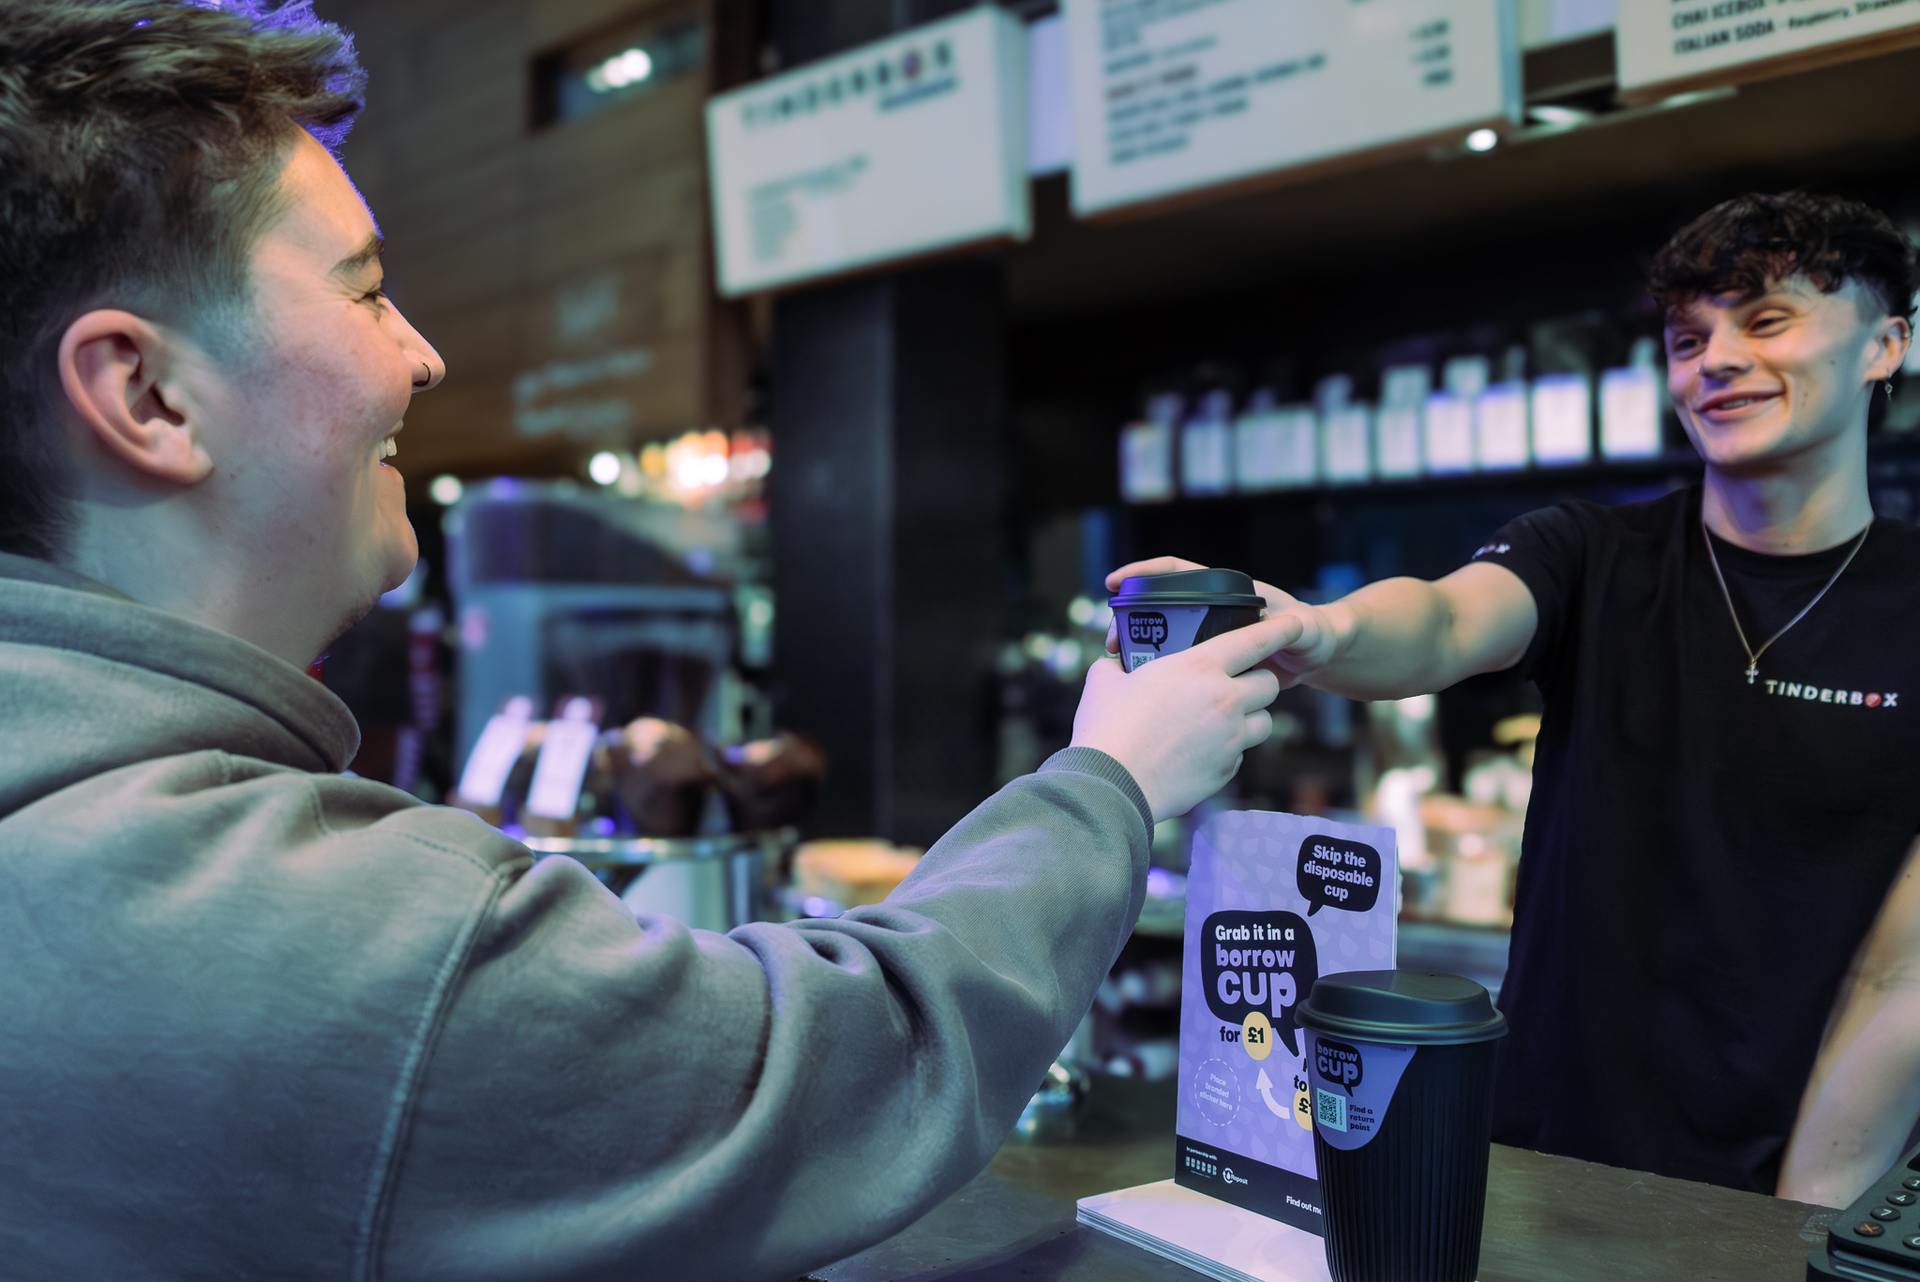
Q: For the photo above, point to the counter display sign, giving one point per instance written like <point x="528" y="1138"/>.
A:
<point x="915" y="144"/>
<point x="1687" y="44"/>
<point x="1172" y="96"/>
<point x="1274" y="901"/>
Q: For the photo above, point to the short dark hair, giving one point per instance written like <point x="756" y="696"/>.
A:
<point x="141" y="143"/>
<point x="1745" y="245"/>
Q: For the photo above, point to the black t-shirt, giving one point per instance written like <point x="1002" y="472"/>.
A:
<point x="1703" y="856"/>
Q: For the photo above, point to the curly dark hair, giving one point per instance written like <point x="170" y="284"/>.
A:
<point x="1744" y="245"/>
<point x="141" y="143"/>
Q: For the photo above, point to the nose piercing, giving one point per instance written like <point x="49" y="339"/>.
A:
<point x="427" y="370"/>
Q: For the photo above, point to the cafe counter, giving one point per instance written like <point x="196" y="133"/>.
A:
<point x="1549" y="1219"/>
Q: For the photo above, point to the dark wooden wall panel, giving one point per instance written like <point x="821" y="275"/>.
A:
<point x="518" y="250"/>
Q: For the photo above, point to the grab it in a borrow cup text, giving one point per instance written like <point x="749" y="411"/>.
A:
<point x="1257" y="963"/>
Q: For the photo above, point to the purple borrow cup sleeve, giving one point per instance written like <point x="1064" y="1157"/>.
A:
<point x="1400" y="1076"/>
<point x="1155" y="615"/>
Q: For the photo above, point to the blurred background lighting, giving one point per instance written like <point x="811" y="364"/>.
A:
<point x="628" y="67"/>
<point x="604" y="468"/>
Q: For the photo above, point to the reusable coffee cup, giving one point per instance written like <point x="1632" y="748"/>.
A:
<point x="1155" y="615"/>
<point x="1400" y="1065"/>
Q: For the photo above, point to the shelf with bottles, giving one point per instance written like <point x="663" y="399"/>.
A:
<point x="1473" y="421"/>
<point x="1892" y="456"/>
<point x="1407" y="416"/>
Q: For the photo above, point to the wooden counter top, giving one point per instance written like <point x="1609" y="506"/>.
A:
<point x="1549" y="1219"/>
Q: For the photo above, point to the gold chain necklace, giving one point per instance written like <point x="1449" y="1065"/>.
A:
<point x="1753" y="655"/>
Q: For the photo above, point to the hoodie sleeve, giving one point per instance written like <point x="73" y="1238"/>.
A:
<point x="610" y="1098"/>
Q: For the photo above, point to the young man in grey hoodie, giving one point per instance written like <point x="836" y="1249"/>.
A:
<point x="264" y="1020"/>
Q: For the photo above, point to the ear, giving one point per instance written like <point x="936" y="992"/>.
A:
<point x="1891" y="339"/>
<point x="112" y="367"/>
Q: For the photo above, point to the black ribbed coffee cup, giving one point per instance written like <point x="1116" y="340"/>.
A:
<point x="1155" y="615"/>
<point x="1400" y="1073"/>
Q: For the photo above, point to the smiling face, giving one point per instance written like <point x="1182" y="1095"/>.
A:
<point x="306" y="416"/>
<point x="1765" y="382"/>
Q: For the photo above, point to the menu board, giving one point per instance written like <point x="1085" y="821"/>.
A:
<point x="1170" y="96"/>
<point x="913" y="144"/>
<point x="1681" y="44"/>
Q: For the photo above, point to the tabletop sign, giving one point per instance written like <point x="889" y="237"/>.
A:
<point x="1668" y="45"/>
<point x="914" y="144"/>
<point x="1274" y="901"/>
<point x="494" y="755"/>
<point x="1171" y="96"/>
<point x="560" y="770"/>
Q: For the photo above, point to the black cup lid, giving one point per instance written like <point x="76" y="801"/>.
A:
<point x="1188" y="587"/>
<point x="1405" y="1007"/>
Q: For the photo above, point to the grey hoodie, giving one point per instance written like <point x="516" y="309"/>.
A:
<point x="260" y="1020"/>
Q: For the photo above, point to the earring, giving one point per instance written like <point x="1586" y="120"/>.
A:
<point x="1889" y="386"/>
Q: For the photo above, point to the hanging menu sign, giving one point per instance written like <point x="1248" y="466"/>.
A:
<point x="1171" y="96"/>
<point x="914" y="144"/>
<point x="1669" y="45"/>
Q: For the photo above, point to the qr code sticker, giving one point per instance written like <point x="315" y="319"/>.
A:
<point x="1330" y="1110"/>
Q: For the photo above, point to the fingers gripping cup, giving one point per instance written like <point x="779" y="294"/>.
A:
<point x="1155" y="615"/>
<point x="1400" y="1071"/>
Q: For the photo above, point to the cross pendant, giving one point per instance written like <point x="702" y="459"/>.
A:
<point x="1753" y="670"/>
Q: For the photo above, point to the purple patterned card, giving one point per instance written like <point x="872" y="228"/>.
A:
<point x="1274" y="901"/>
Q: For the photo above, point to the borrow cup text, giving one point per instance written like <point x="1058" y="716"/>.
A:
<point x="1258" y="961"/>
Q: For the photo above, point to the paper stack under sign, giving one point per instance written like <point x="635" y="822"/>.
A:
<point x="1206" y="1235"/>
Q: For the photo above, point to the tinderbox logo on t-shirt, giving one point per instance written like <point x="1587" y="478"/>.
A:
<point x="1807" y="692"/>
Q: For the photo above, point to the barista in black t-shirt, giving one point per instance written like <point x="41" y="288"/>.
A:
<point x="1716" y="952"/>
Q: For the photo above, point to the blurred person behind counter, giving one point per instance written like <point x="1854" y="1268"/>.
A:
<point x="263" y="1019"/>
<point x="1715" y="970"/>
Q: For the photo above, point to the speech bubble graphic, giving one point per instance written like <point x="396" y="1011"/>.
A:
<point x="1147" y="627"/>
<point x="1258" y="961"/>
<point x="1339" y="1063"/>
<point x="1337" y="873"/>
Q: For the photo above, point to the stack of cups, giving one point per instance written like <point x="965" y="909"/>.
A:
<point x="1400" y="1065"/>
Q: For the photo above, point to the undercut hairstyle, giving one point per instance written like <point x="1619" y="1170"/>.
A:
<point x="141" y="144"/>
<point x="1746" y="245"/>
